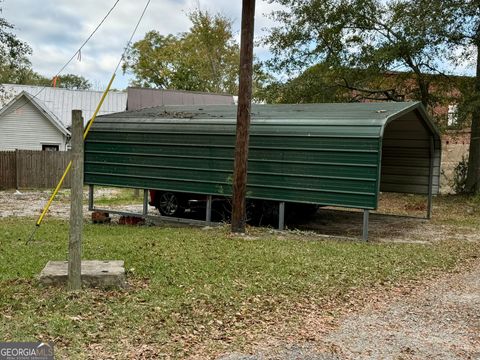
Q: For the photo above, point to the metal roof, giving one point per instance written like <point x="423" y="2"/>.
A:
<point x="338" y="114"/>
<point x="61" y="102"/>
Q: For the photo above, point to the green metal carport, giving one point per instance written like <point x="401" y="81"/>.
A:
<point x="329" y="154"/>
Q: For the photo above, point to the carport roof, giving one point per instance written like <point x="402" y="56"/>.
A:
<point x="343" y="115"/>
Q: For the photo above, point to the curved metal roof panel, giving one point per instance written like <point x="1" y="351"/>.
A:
<point x="349" y="119"/>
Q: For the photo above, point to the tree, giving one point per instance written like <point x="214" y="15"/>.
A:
<point x="376" y="37"/>
<point x="73" y="82"/>
<point x="320" y="84"/>
<point x="463" y="32"/>
<point x="205" y="58"/>
<point x="371" y="36"/>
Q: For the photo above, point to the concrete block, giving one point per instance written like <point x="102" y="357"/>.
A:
<point x="95" y="273"/>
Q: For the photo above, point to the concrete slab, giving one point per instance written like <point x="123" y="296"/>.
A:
<point x="95" y="273"/>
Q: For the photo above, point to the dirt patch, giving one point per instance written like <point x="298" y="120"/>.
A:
<point x="386" y="228"/>
<point x="30" y="203"/>
<point x="407" y="224"/>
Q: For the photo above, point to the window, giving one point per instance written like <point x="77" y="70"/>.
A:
<point x="452" y="116"/>
<point x="50" y="147"/>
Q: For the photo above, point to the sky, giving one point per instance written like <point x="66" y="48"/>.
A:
<point x="55" y="29"/>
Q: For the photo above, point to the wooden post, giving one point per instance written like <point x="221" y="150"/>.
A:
<point x="243" y="118"/>
<point x="76" y="209"/>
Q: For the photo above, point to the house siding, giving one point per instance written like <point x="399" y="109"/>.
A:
<point x="61" y="102"/>
<point x="24" y="127"/>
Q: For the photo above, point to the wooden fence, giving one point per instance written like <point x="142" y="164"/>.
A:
<point x="26" y="169"/>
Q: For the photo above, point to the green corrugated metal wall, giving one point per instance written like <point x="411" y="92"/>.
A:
<point x="406" y="156"/>
<point x="297" y="153"/>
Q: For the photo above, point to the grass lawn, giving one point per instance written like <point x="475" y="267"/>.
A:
<point x="190" y="285"/>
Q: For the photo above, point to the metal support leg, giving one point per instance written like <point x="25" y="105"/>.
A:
<point x="90" y="197"/>
<point x="145" y="202"/>
<point x="281" y="216"/>
<point x="429" y="205"/>
<point x="430" y="180"/>
<point x="208" y="216"/>
<point x="365" y="224"/>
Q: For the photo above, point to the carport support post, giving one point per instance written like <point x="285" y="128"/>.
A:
<point x="76" y="205"/>
<point x="90" y="197"/>
<point x="281" y="215"/>
<point x="430" y="180"/>
<point x="145" y="202"/>
<point x="208" y="216"/>
<point x="365" y="224"/>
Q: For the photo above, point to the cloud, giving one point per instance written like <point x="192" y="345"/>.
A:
<point x="55" y="29"/>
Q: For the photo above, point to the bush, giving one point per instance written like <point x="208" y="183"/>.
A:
<point x="460" y="176"/>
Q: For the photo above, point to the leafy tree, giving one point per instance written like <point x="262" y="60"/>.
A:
<point x="370" y="36"/>
<point x="320" y="84"/>
<point x="205" y="58"/>
<point x="463" y="38"/>
<point x="73" y="82"/>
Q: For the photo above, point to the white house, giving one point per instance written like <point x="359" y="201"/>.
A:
<point x="39" y="118"/>
<point x="26" y="123"/>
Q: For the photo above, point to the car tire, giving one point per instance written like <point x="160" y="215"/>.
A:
<point x="170" y="204"/>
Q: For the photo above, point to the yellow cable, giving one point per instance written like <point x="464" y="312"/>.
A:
<point x="89" y="125"/>
<point x="65" y="173"/>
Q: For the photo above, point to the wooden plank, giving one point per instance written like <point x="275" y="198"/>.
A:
<point x="7" y="170"/>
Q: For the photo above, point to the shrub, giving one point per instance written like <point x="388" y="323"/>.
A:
<point x="460" y="176"/>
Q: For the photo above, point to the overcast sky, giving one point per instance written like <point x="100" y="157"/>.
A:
<point x="56" y="28"/>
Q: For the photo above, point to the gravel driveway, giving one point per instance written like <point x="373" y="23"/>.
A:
<point x="438" y="321"/>
<point x="31" y="203"/>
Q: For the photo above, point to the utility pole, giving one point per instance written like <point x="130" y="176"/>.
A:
<point x="76" y="209"/>
<point x="243" y="118"/>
